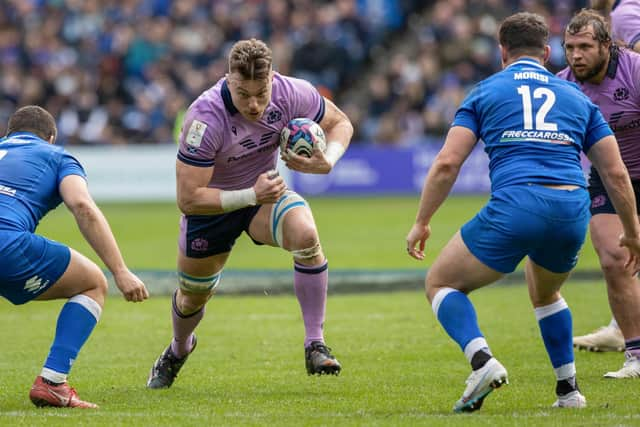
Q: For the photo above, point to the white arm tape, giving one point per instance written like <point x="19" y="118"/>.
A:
<point x="232" y="200"/>
<point x="335" y="150"/>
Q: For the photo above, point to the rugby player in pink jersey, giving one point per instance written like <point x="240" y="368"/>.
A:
<point x="226" y="185"/>
<point x="624" y="16"/>
<point x="610" y="77"/>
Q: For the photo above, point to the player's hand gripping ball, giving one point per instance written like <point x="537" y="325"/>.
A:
<point x="301" y="135"/>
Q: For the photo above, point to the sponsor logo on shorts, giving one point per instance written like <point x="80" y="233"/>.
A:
<point x="598" y="201"/>
<point x="7" y="190"/>
<point x="199" y="245"/>
<point x="34" y="284"/>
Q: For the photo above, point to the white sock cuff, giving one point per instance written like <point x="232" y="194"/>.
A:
<point x="439" y="297"/>
<point x="551" y="309"/>
<point x="90" y="304"/>
<point x="473" y="346"/>
<point x="53" y="376"/>
<point x="565" y="371"/>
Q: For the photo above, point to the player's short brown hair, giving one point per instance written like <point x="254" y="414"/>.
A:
<point x="586" y="17"/>
<point x="34" y="119"/>
<point x="252" y="59"/>
<point x="524" y="33"/>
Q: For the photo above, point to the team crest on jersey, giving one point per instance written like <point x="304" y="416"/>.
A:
<point x="621" y="94"/>
<point x="273" y="116"/>
<point x="196" y="133"/>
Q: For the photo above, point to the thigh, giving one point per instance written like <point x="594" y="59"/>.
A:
<point x="203" y="236"/>
<point x="202" y="267"/>
<point x="81" y="276"/>
<point x="31" y="264"/>
<point x="456" y="267"/>
<point x="605" y="230"/>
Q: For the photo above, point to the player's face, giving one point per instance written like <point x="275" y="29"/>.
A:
<point x="250" y="97"/>
<point x="586" y="56"/>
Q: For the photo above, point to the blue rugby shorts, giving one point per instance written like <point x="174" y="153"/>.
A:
<point x="29" y="265"/>
<point x="548" y="225"/>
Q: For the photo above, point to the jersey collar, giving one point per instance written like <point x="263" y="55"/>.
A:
<point x="614" y="56"/>
<point x="528" y="61"/>
<point x="226" y="98"/>
<point x="23" y="136"/>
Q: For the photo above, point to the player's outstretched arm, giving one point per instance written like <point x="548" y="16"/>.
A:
<point x="95" y="229"/>
<point x="605" y="156"/>
<point x="338" y="131"/>
<point x="438" y="183"/>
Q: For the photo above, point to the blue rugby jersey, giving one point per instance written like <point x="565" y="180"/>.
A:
<point x="533" y="125"/>
<point x="30" y="174"/>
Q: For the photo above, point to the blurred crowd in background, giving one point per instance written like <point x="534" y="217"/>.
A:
<point x="124" y="71"/>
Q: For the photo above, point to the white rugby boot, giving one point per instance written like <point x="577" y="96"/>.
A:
<point x="575" y="399"/>
<point x="605" y="338"/>
<point x="630" y="368"/>
<point x="480" y="383"/>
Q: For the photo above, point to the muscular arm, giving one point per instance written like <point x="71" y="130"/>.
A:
<point x="91" y="222"/>
<point x="338" y="132"/>
<point x="95" y="229"/>
<point x="196" y="198"/>
<point x="438" y="183"/>
<point x="336" y="125"/>
<point x="605" y="157"/>
<point x="444" y="171"/>
<point x="193" y="195"/>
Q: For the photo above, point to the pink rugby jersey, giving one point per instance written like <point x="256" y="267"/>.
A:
<point x="625" y="21"/>
<point x="215" y="134"/>
<point x="618" y="97"/>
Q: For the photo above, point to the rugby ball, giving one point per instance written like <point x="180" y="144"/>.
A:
<point x="301" y="135"/>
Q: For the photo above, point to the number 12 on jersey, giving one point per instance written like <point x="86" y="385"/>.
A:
<point x="527" y="108"/>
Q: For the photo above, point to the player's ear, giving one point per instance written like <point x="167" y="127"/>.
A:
<point x="547" y="53"/>
<point x="503" y="55"/>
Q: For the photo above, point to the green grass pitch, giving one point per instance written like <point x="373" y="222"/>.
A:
<point x="356" y="233"/>
<point x="400" y="368"/>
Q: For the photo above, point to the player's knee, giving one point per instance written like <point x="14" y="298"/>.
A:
<point x="190" y="303"/>
<point x="96" y="285"/>
<point x="98" y="281"/>
<point x="613" y="263"/>
<point x="304" y="237"/>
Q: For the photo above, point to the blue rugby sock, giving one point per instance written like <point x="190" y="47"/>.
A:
<point x="76" y="321"/>
<point x="556" y="329"/>
<point x="458" y="317"/>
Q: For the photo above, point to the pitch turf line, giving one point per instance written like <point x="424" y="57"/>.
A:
<point x="271" y="282"/>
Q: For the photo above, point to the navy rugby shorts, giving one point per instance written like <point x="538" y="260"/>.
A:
<point x="600" y="201"/>
<point x="548" y="225"/>
<point x="30" y="264"/>
<point x="202" y="236"/>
